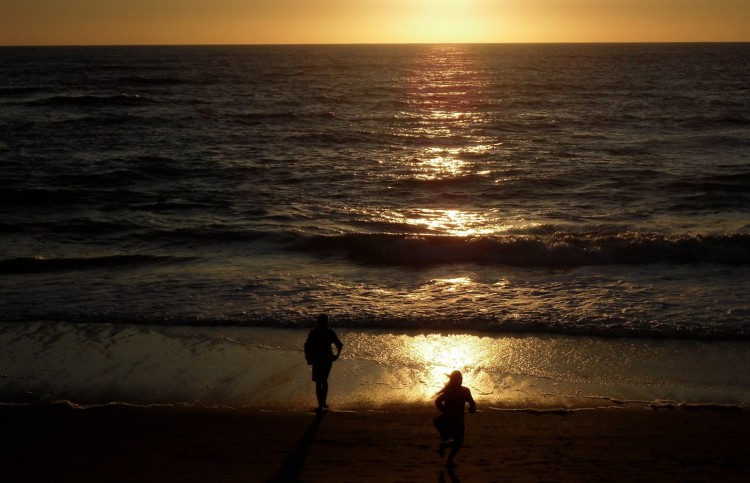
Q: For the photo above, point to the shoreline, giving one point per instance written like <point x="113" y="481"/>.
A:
<point x="91" y="364"/>
<point x="127" y="443"/>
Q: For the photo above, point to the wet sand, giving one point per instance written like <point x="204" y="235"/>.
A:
<point x="121" y="443"/>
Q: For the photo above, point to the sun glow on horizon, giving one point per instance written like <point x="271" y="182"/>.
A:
<point x="93" y="22"/>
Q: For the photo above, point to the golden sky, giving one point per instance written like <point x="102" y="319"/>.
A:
<point x="65" y="22"/>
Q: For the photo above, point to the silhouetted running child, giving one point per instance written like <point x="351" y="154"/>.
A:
<point x="319" y="353"/>
<point x="450" y="402"/>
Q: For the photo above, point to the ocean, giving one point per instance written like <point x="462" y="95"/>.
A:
<point x="587" y="193"/>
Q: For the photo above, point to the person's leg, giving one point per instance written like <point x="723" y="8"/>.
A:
<point x="455" y="446"/>
<point x="448" y="427"/>
<point x="316" y="379"/>
<point x="458" y="442"/>
<point x="323" y="394"/>
<point x="322" y="381"/>
<point x="319" y="393"/>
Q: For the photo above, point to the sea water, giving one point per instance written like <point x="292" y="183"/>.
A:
<point x="576" y="193"/>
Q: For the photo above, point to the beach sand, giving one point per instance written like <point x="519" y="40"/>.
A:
<point x="123" y="443"/>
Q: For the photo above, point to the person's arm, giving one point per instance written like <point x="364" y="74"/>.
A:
<point x="440" y="402"/>
<point x="339" y="346"/>
<point x="470" y="400"/>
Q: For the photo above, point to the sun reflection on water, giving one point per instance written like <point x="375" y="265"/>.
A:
<point x="443" y="91"/>
<point x="452" y="222"/>
<point x="436" y="356"/>
<point x="440" y="163"/>
<point x="440" y="355"/>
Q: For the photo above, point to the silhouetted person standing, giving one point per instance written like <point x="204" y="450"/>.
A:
<point x="319" y="353"/>
<point x="450" y="402"/>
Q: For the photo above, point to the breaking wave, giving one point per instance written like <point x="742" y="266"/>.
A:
<point x="561" y="249"/>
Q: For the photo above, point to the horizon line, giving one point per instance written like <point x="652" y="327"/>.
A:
<point x="301" y="44"/>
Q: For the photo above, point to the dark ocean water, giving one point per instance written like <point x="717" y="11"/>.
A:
<point x="578" y="189"/>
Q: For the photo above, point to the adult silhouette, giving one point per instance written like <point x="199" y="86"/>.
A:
<point x="451" y="401"/>
<point x="319" y="352"/>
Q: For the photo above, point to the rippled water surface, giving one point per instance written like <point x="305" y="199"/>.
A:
<point x="580" y="189"/>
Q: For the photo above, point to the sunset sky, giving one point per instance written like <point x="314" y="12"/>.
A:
<point x="65" y="22"/>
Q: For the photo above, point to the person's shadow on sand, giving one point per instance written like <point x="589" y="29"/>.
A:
<point x="291" y="470"/>
<point x="451" y="475"/>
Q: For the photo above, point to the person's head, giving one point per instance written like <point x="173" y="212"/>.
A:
<point x="455" y="378"/>
<point x="322" y="320"/>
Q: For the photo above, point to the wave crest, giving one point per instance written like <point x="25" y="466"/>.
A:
<point x="560" y="249"/>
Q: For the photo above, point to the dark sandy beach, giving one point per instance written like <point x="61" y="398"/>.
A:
<point x="116" y="443"/>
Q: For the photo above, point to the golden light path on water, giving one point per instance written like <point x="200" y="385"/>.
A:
<point x="444" y="87"/>
<point x="452" y="222"/>
<point x="443" y="164"/>
<point x="415" y="367"/>
<point x="441" y="355"/>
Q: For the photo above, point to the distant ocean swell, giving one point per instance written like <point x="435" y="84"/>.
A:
<point x="134" y="181"/>
<point x="92" y="100"/>
<point x="20" y="96"/>
<point x="534" y="250"/>
<point x="42" y="265"/>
